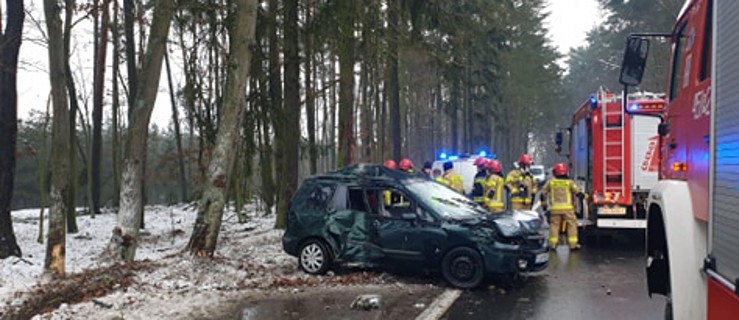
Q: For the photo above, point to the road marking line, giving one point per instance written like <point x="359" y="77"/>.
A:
<point x="440" y="306"/>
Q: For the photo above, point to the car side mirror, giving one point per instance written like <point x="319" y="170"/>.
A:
<point x="408" y="216"/>
<point x="635" y="58"/>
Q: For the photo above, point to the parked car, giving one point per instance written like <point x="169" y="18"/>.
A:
<point x="539" y="173"/>
<point x="370" y="215"/>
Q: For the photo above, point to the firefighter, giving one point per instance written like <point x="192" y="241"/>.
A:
<point x="521" y="184"/>
<point x="559" y="193"/>
<point x="494" y="200"/>
<point x="390" y="164"/>
<point x="478" y="185"/>
<point x="451" y="178"/>
<point x="406" y="165"/>
<point x="426" y="172"/>
<point x="436" y="174"/>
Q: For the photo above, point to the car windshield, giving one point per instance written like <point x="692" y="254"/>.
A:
<point x="443" y="200"/>
<point x="537" y="171"/>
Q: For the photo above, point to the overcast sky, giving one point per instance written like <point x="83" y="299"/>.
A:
<point x="570" y="20"/>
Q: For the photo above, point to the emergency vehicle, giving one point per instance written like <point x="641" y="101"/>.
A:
<point x="613" y="158"/>
<point x="693" y="211"/>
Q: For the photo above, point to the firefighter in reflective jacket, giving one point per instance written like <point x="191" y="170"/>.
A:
<point x="478" y="185"/>
<point x="521" y="184"/>
<point x="451" y="178"/>
<point x="559" y="193"/>
<point x="494" y="200"/>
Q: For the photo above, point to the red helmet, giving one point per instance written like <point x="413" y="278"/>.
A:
<point x="390" y="164"/>
<point x="559" y="169"/>
<point x="494" y="166"/>
<point x="406" y="164"/>
<point x="480" y="162"/>
<point x="525" y="160"/>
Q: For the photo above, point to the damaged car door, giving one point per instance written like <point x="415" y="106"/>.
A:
<point x="349" y="226"/>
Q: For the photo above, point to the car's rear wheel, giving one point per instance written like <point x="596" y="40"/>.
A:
<point x="314" y="257"/>
<point x="463" y="268"/>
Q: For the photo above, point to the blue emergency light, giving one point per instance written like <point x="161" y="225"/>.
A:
<point x="452" y="158"/>
<point x="593" y="102"/>
<point x="483" y="154"/>
<point x="633" y="107"/>
<point x="442" y="155"/>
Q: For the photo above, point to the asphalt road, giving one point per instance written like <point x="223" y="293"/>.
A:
<point x="605" y="280"/>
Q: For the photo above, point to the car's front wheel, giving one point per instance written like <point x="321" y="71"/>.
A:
<point x="463" y="268"/>
<point x="314" y="257"/>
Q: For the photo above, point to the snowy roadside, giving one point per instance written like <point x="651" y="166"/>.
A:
<point x="249" y="258"/>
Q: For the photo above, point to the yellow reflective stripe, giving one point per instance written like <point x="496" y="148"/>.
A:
<point x="572" y="240"/>
<point x="553" y="240"/>
<point x="562" y="207"/>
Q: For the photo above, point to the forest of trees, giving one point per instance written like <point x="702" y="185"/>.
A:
<point x="274" y="90"/>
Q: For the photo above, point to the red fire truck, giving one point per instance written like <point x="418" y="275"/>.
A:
<point x="614" y="157"/>
<point x="693" y="211"/>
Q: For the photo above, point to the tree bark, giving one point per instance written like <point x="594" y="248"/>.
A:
<point x="346" y="83"/>
<point x="310" y="100"/>
<point x="177" y="134"/>
<point x="97" y="111"/>
<point x="393" y="86"/>
<point x="115" y="145"/>
<point x="290" y="113"/>
<point x="10" y="44"/>
<point x="210" y="209"/>
<point x="129" y="12"/>
<point x="60" y="149"/>
<point x="123" y="243"/>
<point x="276" y="100"/>
<point x="71" y="197"/>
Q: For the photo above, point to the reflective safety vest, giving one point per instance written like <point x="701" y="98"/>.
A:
<point x="478" y="187"/>
<point x="521" y="186"/>
<point x="559" y="193"/>
<point x="494" y="194"/>
<point x="454" y="181"/>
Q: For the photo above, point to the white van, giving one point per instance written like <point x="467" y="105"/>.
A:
<point x="539" y="173"/>
<point x="464" y="166"/>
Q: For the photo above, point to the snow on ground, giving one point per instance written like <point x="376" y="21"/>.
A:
<point x="247" y="256"/>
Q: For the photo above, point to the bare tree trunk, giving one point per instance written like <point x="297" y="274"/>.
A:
<point x="73" y="108"/>
<point x="210" y="209"/>
<point x="275" y="98"/>
<point x="60" y="149"/>
<point x="310" y="96"/>
<point x="123" y="243"/>
<point x="393" y="89"/>
<point x="115" y="145"/>
<point x="129" y="13"/>
<point x="346" y="83"/>
<point x="10" y="44"/>
<point x="97" y="111"/>
<point x="290" y="113"/>
<point x="177" y="134"/>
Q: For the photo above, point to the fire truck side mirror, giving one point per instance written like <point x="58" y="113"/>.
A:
<point x="663" y="129"/>
<point x="558" y="139"/>
<point x="635" y="58"/>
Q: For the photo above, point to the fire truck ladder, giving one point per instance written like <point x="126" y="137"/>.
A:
<point x="613" y="149"/>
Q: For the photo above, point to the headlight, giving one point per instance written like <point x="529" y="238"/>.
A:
<point x="508" y="227"/>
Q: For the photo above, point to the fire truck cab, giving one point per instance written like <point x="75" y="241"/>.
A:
<point x="693" y="211"/>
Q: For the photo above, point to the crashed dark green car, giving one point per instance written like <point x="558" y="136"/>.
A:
<point x="369" y="215"/>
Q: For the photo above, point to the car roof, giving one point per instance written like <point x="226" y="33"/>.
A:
<point x="364" y="172"/>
